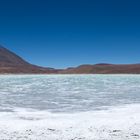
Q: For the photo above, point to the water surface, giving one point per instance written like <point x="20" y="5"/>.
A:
<point x="68" y="93"/>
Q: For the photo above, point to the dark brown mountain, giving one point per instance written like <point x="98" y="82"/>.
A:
<point x="12" y="63"/>
<point x="104" y="69"/>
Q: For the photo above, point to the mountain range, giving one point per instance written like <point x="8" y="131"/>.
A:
<point x="11" y="63"/>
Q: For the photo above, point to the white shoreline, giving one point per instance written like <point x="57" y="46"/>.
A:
<point x="120" y="123"/>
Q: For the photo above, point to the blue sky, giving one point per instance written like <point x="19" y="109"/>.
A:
<point x="65" y="33"/>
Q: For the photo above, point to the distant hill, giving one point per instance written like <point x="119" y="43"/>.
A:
<point x="104" y="69"/>
<point x="12" y="63"/>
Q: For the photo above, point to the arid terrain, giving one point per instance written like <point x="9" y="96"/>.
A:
<point x="12" y="63"/>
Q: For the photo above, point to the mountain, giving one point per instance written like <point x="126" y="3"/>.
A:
<point x="12" y="63"/>
<point x="104" y="69"/>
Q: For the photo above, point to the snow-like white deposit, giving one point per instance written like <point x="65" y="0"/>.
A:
<point x="121" y="123"/>
<point x="70" y="107"/>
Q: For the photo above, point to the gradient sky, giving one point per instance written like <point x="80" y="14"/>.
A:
<point x="62" y="33"/>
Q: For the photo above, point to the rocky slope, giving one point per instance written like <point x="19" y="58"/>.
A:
<point x="12" y="63"/>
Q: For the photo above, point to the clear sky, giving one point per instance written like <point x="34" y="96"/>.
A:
<point x="62" y="33"/>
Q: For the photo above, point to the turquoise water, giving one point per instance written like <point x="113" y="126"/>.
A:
<point x="68" y="93"/>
